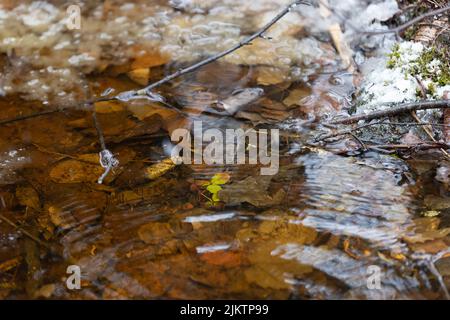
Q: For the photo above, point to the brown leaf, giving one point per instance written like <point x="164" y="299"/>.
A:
<point x="223" y="258"/>
<point x="28" y="197"/>
<point x="140" y="76"/>
<point x="155" y="232"/>
<point x="149" y="60"/>
<point x="269" y="76"/>
<point x="432" y="247"/>
<point x="74" y="171"/>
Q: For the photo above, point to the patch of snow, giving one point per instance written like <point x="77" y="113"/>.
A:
<point x="213" y="248"/>
<point x="39" y="13"/>
<point x="382" y="85"/>
<point x="77" y="60"/>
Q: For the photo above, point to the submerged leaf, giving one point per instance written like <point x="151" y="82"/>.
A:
<point x="28" y="197"/>
<point x="157" y="170"/>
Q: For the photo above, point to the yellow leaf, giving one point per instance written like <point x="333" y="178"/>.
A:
<point x="157" y="170"/>
<point x="140" y="76"/>
<point x="220" y="178"/>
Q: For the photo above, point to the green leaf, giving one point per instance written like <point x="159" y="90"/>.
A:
<point x="214" y="188"/>
<point x="220" y="178"/>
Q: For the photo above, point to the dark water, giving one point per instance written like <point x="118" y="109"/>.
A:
<point x="340" y="218"/>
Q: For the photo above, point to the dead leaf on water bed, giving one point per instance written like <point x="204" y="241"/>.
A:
<point x="431" y="247"/>
<point x="295" y="96"/>
<point x="140" y="76"/>
<point x="149" y="60"/>
<point x="145" y="110"/>
<point x="253" y="190"/>
<point x="28" y="197"/>
<point x="46" y="291"/>
<point x="74" y="171"/>
<point x="10" y="264"/>
<point x="270" y="76"/>
<point x="228" y="259"/>
<point x="159" y="169"/>
<point x="270" y="272"/>
<point x="426" y="229"/>
<point x="108" y="107"/>
<point x="155" y="232"/>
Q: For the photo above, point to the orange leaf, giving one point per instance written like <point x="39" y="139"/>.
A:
<point x="222" y="258"/>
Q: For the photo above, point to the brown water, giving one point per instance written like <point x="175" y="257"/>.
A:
<point x="133" y="237"/>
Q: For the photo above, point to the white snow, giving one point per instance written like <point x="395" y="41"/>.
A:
<point x="39" y="13"/>
<point x="80" y="58"/>
<point x="383" y="85"/>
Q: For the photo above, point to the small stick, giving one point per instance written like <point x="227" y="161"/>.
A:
<point x="418" y="146"/>
<point x="246" y="41"/>
<point x="25" y="232"/>
<point x="396" y="30"/>
<point x="349" y="131"/>
<point x="107" y="159"/>
<point x="400" y="108"/>
<point x="147" y="90"/>
<point x="408" y="24"/>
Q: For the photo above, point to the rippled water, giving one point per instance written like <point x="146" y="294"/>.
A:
<point x="340" y="218"/>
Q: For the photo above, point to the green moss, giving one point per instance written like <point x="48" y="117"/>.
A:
<point x="394" y="57"/>
<point x="418" y="93"/>
<point x="442" y="77"/>
<point x="421" y="66"/>
<point x="431" y="89"/>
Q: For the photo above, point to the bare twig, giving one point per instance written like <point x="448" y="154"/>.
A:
<point x="29" y="116"/>
<point x="396" y="30"/>
<point x="415" y="146"/>
<point x="428" y="131"/>
<point x="398" y="109"/>
<point x="123" y="96"/>
<point x="410" y="23"/>
<point x="349" y="131"/>
<point x="25" y="232"/>
<point x="107" y="159"/>
<point x="246" y="41"/>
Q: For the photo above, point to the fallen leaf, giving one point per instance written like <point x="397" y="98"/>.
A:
<point x="155" y="232"/>
<point x="223" y="258"/>
<point x="28" y="197"/>
<point x="159" y="169"/>
<point x="295" y="96"/>
<point x="149" y="60"/>
<point x="108" y="106"/>
<point x="437" y="203"/>
<point x="431" y="247"/>
<point x="74" y="171"/>
<point x="269" y="76"/>
<point x="252" y="190"/>
<point x="140" y="76"/>
<point x="45" y="291"/>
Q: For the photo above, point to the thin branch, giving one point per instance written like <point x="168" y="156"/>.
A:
<point x="123" y="96"/>
<point x="410" y="23"/>
<point x="398" y="109"/>
<point x="246" y="41"/>
<point x="396" y="30"/>
<point x="25" y="232"/>
<point x="349" y="131"/>
<point x="414" y="146"/>
<point x="29" y="116"/>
